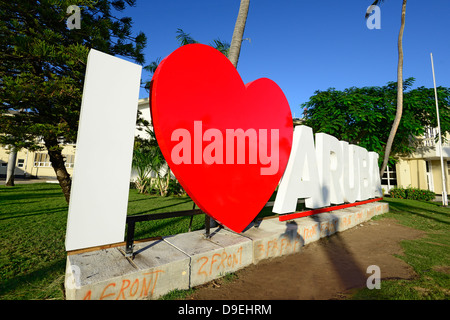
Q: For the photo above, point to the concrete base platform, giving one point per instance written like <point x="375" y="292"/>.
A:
<point x="186" y="260"/>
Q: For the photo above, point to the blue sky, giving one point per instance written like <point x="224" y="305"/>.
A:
<point x="306" y="46"/>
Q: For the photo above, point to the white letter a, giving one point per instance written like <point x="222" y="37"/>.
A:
<point x="374" y="21"/>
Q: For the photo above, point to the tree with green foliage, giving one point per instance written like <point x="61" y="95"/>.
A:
<point x="42" y="68"/>
<point x="364" y="116"/>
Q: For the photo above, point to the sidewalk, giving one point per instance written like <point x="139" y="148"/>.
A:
<point x="438" y="198"/>
<point x="28" y="181"/>
<point x="187" y="260"/>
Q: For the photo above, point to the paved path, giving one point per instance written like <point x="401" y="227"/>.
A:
<point x="27" y="181"/>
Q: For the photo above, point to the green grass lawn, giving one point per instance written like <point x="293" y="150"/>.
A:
<point x="429" y="255"/>
<point x="33" y="223"/>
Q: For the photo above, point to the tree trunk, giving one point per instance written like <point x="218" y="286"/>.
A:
<point x="398" y="114"/>
<point x="11" y="167"/>
<point x="236" y="41"/>
<point x="58" y="164"/>
<point x="166" y="191"/>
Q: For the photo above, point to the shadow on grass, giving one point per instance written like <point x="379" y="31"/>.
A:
<point x="18" y="214"/>
<point x="11" y="289"/>
<point x="423" y="211"/>
<point x="159" y="229"/>
<point x="158" y="209"/>
<point x="30" y="195"/>
<point x="142" y="199"/>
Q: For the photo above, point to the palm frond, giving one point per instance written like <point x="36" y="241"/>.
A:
<point x="153" y="65"/>
<point x="369" y="9"/>
<point x="220" y="45"/>
<point x="184" y="38"/>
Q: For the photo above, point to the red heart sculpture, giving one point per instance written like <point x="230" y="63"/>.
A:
<point x="227" y="143"/>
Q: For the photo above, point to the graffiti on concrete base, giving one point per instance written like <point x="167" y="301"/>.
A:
<point x="139" y="287"/>
<point x="219" y="262"/>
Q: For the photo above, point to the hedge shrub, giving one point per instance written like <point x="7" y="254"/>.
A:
<point x="419" y="194"/>
<point x="412" y="194"/>
<point x="398" y="193"/>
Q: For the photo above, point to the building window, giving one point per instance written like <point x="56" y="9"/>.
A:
<point x="429" y="136"/>
<point x="390" y="172"/>
<point x="42" y="160"/>
<point x="4" y="164"/>
<point x="69" y="159"/>
<point x="20" y="163"/>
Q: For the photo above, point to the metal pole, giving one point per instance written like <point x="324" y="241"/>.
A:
<point x="207" y="226"/>
<point x="130" y="239"/>
<point x="192" y="217"/>
<point x="388" y="178"/>
<point x="444" y="189"/>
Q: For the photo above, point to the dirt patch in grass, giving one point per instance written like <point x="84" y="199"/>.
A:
<point x="331" y="268"/>
<point x="443" y="269"/>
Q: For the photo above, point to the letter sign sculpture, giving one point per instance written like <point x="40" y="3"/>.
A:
<point x="226" y="142"/>
<point x="99" y="194"/>
<point x="331" y="172"/>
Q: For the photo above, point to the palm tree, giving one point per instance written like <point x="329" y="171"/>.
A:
<point x="399" y="111"/>
<point x="238" y="33"/>
<point x="158" y="164"/>
<point x="142" y="163"/>
<point x="147" y="156"/>
<point x="148" y="159"/>
<point x="184" y="39"/>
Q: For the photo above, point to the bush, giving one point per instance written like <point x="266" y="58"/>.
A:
<point x="412" y="194"/>
<point x="419" y="194"/>
<point x="175" y="188"/>
<point x="398" y="193"/>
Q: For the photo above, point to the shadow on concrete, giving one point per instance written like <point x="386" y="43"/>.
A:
<point x="147" y="247"/>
